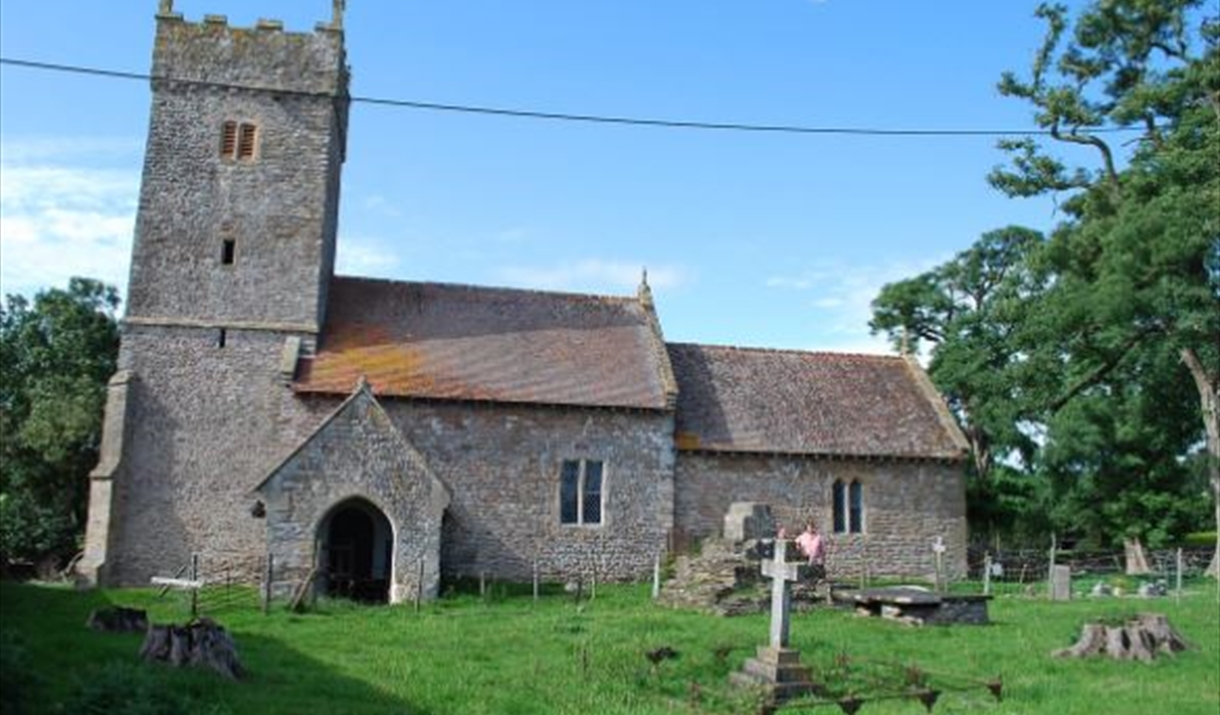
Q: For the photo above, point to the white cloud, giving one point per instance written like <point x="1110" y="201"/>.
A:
<point x="381" y="205"/>
<point x="591" y="275"/>
<point x="357" y="256"/>
<point x="62" y="216"/>
<point x="35" y="150"/>
<point x="843" y="295"/>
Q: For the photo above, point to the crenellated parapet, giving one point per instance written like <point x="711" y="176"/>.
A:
<point x="265" y="56"/>
<point x="165" y="11"/>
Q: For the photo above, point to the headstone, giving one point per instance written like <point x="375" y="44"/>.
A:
<point x="1151" y="590"/>
<point x="1061" y="583"/>
<point x="776" y="667"/>
<point x="748" y="520"/>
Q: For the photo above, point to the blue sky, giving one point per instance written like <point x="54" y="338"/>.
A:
<point x="749" y="239"/>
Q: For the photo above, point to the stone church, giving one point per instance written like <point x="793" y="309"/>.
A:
<point x="373" y="437"/>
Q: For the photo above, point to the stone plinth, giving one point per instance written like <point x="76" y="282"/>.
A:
<point x="778" y="671"/>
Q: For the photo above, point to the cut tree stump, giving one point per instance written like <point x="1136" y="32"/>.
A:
<point x="199" y="643"/>
<point x="1141" y="638"/>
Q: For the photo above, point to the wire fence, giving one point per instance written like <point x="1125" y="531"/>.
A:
<point x="1026" y="572"/>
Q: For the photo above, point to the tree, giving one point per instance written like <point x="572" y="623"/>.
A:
<point x="967" y="310"/>
<point x="55" y="358"/>
<point x="1137" y="262"/>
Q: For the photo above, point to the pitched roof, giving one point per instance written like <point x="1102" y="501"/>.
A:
<point x="440" y="341"/>
<point x="774" y="401"/>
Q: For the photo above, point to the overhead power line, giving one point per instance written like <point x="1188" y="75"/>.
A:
<point x="565" y="116"/>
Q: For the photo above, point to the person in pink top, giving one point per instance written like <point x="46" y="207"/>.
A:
<point x="814" y="548"/>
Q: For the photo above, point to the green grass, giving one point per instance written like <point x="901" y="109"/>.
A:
<point x="510" y="655"/>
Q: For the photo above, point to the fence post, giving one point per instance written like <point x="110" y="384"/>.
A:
<point x="1050" y="568"/>
<point x="195" y="591"/>
<point x="419" y="585"/>
<point x="267" y="584"/>
<point x="656" y="577"/>
<point x="1178" y="590"/>
<point x="987" y="573"/>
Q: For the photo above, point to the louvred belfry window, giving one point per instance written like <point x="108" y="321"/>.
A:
<point x="238" y="141"/>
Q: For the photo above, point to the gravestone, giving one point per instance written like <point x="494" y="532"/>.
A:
<point x="1061" y="583"/>
<point x="747" y="520"/>
<point x="777" y="667"/>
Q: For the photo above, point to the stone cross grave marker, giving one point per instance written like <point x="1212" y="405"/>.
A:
<point x="777" y="668"/>
<point x="782" y="574"/>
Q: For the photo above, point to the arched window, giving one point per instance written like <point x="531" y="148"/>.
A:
<point x="848" y="507"/>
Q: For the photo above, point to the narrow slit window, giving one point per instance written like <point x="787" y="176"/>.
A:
<point x="228" y="251"/>
<point x="222" y="337"/>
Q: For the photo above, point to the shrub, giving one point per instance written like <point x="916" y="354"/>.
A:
<point x="1200" y="538"/>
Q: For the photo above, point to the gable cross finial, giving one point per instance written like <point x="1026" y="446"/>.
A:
<point x="644" y="293"/>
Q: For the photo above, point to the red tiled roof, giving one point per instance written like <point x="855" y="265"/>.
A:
<point x="774" y="401"/>
<point x="459" y="342"/>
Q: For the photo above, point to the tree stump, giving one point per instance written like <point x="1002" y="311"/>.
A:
<point x="199" y="643"/>
<point x="1141" y="638"/>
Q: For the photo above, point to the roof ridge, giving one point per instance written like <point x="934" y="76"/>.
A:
<point x="625" y="299"/>
<point x="787" y="351"/>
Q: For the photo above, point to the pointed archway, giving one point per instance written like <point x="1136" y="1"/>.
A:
<point x="355" y="558"/>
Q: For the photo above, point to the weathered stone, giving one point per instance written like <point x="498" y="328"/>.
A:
<point x="1061" y="583"/>
<point x="748" y="520"/>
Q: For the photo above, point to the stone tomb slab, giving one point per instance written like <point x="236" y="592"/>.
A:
<point x="917" y="606"/>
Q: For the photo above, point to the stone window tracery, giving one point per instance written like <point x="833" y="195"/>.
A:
<point x="581" y="484"/>
<point x="847" y="502"/>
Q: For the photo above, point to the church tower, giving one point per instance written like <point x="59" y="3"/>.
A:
<point x="240" y="194"/>
<point x="232" y="259"/>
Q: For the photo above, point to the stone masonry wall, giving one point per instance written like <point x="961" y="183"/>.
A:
<point x="502" y="465"/>
<point x="906" y="506"/>
<point x="279" y="207"/>
<point x="206" y="425"/>
<point x="357" y="455"/>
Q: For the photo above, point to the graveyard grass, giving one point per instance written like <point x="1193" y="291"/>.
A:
<point x="506" y="654"/>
